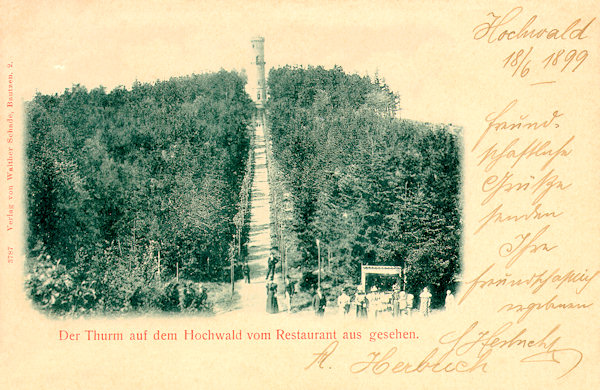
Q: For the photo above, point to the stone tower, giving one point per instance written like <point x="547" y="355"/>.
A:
<point x="260" y="87"/>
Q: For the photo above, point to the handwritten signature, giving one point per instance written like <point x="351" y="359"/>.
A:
<point x="463" y="351"/>
<point x="501" y="338"/>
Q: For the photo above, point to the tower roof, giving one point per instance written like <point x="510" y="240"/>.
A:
<point x="258" y="39"/>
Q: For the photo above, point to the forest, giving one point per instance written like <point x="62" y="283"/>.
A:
<point x="372" y="188"/>
<point x="134" y="195"/>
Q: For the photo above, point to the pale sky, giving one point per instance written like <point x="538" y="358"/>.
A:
<point x="111" y="44"/>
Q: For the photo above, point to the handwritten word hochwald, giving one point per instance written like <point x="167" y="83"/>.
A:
<point x="497" y="29"/>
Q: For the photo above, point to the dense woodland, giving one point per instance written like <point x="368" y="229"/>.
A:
<point x="136" y="194"/>
<point x="372" y="188"/>
<point x="133" y="193"/>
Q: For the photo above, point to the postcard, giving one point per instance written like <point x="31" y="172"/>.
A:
<point x="299" y="194"/>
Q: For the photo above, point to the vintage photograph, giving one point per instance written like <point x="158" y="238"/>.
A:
<point x="299" y="194"/>
<point x="290" y="189"/>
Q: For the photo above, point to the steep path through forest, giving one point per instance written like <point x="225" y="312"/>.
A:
<point x="253" y="296"/>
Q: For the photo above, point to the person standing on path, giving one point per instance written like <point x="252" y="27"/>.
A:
<point x="402" y="303"/>
<point x="290" y="289"/>
<point x="396" y="299"/>
<point x="449" y="302"/>
<point x="202" y="296"/>
<point x="272" y="306"/>
<point x="271" y="267"/>
<point x="246" y="270"/>
<point x="319" y="303"/>
<point x="373" y="298"/>
<point x="409" y="303"/>
<point x="344" y="303"/>
<point x="362" y="304"/>
<point x="425" y="302"/>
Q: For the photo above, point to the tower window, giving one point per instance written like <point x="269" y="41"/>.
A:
<point x="258" y="95"/>
<point x="257" y="59"/>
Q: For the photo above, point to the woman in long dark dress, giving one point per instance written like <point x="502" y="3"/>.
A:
<point x="272" y="306"/>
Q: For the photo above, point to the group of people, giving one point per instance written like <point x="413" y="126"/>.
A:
<point x="272" y="262"/>
<point x="272" y="302"/>
<point x="290" y="288"/>
<point x="375" y="302"/>
<point x="365" y="304"/>
<point x="271" y="286"/>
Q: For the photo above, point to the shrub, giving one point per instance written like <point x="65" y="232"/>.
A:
<point x="53" y="287"/>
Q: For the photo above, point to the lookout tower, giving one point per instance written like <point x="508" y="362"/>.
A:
<point x="260" y="87"/>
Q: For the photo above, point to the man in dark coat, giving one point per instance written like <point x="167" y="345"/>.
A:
<point x="319" y="303"/>
<point x="246" y="270"/>
<point x="271" y="264"/>
<point x="290" y="290"/>
<point x="202" y="295"/>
